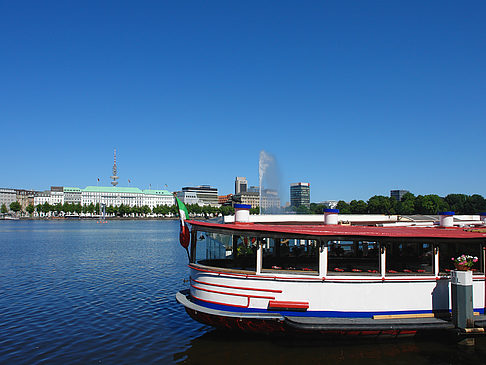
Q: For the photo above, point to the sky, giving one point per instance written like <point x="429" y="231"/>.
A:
<point x="356" y="98"/>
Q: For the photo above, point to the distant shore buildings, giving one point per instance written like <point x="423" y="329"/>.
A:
<point x="300" y="194"/>
<point x="108" y="195"/>
<point x="201" y="195"/>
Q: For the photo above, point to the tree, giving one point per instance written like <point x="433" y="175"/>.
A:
<point x="30" y="209"/>
<point x="343" y="207"/>
<point x="358" y="206"/>
<point x="380" y="204"/>
<point x="15" y="206"/>
<point x="4" y="209"/>
<point x="227" y="210"/>
<point x="457" y="202"/>
<point x="255" y="210"/>
<point x="407" y="204"/>
<point x="475" y="204"/>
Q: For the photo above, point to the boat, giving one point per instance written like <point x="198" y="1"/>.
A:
<point x="330" y="279"/>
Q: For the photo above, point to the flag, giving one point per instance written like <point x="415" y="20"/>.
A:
<point x="98" y="179"/>
<point x="183" y="213"/>
<point x="184" y="236"/>
<point x="129" y="181"/>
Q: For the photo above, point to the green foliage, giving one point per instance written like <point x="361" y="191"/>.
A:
<point x="15" y="206"/>
<point x="255" y="210"/>
<point x="4" y="209"/>
<point x="227" y="210"/>
<point x="343" y="207"/>
<point x="30" y="208"/>
<point x="358" y="207"/>
<point x="380" y="204"/>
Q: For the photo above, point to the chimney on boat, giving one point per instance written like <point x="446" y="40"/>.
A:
<point x="446" y="219"/>
<point x="331" y="216"/>
<point x="482" y="216"/>
<point x="242" y="213"/>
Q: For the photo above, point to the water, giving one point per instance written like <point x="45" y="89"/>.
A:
<point x="78" y="292"/>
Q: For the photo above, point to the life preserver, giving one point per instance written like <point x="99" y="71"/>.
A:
<point x="184" y="236"/>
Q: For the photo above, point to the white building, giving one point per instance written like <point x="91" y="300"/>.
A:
<point x="188" y="197"/>
<point x="108" y="195"/>
<point x="206" y="195"/>
<point x="133" y="197"/>
<point x="7" y="197"/>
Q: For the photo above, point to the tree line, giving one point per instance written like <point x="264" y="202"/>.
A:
<point x="120" y="210"/>
<point x="409" y="204"/>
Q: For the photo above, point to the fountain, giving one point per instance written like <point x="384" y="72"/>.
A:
<point x="269" y="184"/>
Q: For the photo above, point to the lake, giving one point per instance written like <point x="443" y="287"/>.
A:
<point x="79" y="292"/>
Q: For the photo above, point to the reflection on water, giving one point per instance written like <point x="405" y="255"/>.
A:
<point x="81" y="292"/>
<point x="220" y="347"/>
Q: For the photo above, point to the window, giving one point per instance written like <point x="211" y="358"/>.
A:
<point x="448" y="251"/>
<point x="358" y="257"/>
<point x="410" y="258"/>
<point x="226" y="251"/>
<point x="291" y="255"/>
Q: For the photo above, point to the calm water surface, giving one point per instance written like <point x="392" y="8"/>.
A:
<point x="80" y="292"/>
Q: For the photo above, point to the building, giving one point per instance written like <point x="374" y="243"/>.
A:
<point x="300" y="194"/>
<point x="132" y="197"/>
<point x="225" y="199"/>
<point x="25" y="197"/>
<point x="206" y="195"/>
<point x="241" y="185"/>
<point x="72" y="195"/>
<point x="188" y="197"/>
<point x="108" y="195"/>
<point x="270" y="199"/>
<point x="398" y="194"/>
<point x="7" y="197"/>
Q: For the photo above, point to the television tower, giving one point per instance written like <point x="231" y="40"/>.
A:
<point x="115" y="176"/>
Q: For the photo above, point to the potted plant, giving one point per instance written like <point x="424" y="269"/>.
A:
<point x="464" y="262"/>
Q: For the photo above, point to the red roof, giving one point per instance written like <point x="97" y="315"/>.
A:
<point x="340" y="230"/>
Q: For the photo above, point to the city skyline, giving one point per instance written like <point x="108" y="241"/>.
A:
<point x="357" y="99"/>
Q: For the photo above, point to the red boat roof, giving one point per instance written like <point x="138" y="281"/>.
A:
<point x="352" y="231"/>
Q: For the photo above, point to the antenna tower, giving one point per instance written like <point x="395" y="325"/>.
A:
<point x="115" y="176"/>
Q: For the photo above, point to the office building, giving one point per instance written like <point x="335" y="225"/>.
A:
<point x="398" y="194"/>
<point x="241" y="185"/>
<point x="205" y="194"/>
<point x="300" y="194"/>
<point x="7" y="197"/>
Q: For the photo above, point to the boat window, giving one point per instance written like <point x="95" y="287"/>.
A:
<point x="290" y="255"/>
<point x="448" y="251"/>
<point x="357" y="257"/>
<point x="226" y="251"/>
<point x="409" y="259"/>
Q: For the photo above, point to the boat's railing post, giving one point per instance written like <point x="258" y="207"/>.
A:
<point x="259" y="256"/>
<point x="382" y="260"/>
<point x="323" y="251"/>
<point x="462" y="299"/>
<point x="436" y="259"/>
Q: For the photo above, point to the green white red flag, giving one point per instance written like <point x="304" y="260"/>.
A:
<point x="183" y="213"/>
<point x="184" y="235"/>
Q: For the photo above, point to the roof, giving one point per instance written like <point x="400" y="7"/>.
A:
<point x="156" y="192"/>
<point x="350" y="231"/>
<point x="112" y="189"/>
<point x="119" y="189"/>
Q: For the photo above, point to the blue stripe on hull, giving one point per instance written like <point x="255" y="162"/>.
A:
<point x="329" y="314"/>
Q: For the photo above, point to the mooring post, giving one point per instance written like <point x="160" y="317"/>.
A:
<point x="462" y="302"/>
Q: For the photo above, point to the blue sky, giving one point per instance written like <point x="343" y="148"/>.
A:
<point x="355" y="97"/>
